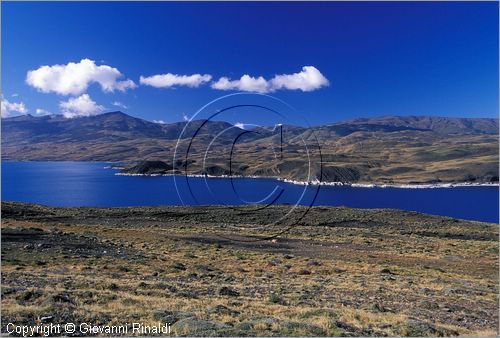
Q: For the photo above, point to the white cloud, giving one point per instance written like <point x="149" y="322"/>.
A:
<point x="82" y="105"/>
<point x="42" y="112"/>
<point x="171" y="80"/>
<point x="74" y="78"/>
<point x="7" y="108"/>
<point x="185" y="117"/>
<point x="246" y="83"/>
<point x="15" y="95"/>
<point x="119" y="105"/>
<point x="309" y="79"/>
<point x="239" y="125"/>
<point x="159" y="121"/>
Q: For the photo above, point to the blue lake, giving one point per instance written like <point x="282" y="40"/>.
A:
<point x="90" y="184"/>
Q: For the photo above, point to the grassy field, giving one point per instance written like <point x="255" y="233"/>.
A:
<point x="338" y="272"/>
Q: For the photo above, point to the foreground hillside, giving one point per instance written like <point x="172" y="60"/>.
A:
<point x="376" y="150"/>
<point x="340" y="271"/>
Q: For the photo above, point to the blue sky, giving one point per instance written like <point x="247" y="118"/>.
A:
<point x="413" y="58"/>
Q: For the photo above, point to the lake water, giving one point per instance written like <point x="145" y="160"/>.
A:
<point x="90" y="184"/>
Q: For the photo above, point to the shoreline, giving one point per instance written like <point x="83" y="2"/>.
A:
<point x="340" y="184"/>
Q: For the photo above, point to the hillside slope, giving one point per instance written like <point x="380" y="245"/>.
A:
<point x="390" y="149"/>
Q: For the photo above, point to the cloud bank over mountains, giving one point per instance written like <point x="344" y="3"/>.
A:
<point x="74" y="79"/>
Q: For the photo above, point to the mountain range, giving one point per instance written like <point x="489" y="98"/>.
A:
<point x="389" y="149"/>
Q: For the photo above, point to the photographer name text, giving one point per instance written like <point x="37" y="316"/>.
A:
<point x="88" y="329"/>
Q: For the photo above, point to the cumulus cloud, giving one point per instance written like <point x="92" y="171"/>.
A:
<point x="309" y="79"/>
<point x="42" y="112"/>
<point x="171" y="80"/>
<point x="246" y="83"/>
<point x="185" y="117"/>
<point x="239" y="125"/>
<point x="159" y="121"/>
<point x="119" y="105"/>
<point x="8" y="108"/>
<point x="82" y="105"/>
<point x="74" y="78"/>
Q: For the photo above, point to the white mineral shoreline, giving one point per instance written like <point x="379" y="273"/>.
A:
<point x="345" y="184"/>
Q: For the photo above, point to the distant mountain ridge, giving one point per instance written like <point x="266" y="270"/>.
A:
<point x="110" y="126"/>
<point x="119" y="126"/>
<point x="445" y="125"/>
<point x="384" y="149"/>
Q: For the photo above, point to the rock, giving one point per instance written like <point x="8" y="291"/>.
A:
<point x="429" y="305"/>
<point x="386" y="271"/>
<point x="280" y="327"/>
<point x="227" y="291"/>
<point x="229" y="278"/>
<point x="276" y="299"/>
<point x="244" y="326"/>
<point x="418" y="328"/>
<point x="142" y="285"/>
<point x="122" y="268"/>
<point x="179" y="266"/>
<point x="47" y="319"/>
<point x="203" y="268"/>
<point x="378" y="307"/>
<point x="223" y="310"/>
<point x="304" y="272"/>
<point x="113" y="287"/>
<point x="61" y="303"/>
<point x="274" y="262"/>
<point x="452" y="291"/>
<point x="288" y="327"/>
<point x="170" y="317"/>
<point x="188" y="294"/>
<point x="264" y="322"/>
<point x="7" y="291"/>
<point x="455" y="308"/>
<point x="345" y="326"/>
<point x="61" y="298"/>
<point x="28" y="296"/>
<point x="165" y="286"/>
<point x="190" y="326"/>
<point x="87" y="294"/>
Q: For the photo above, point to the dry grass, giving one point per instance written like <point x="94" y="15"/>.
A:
<point x="350" y="283"/>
